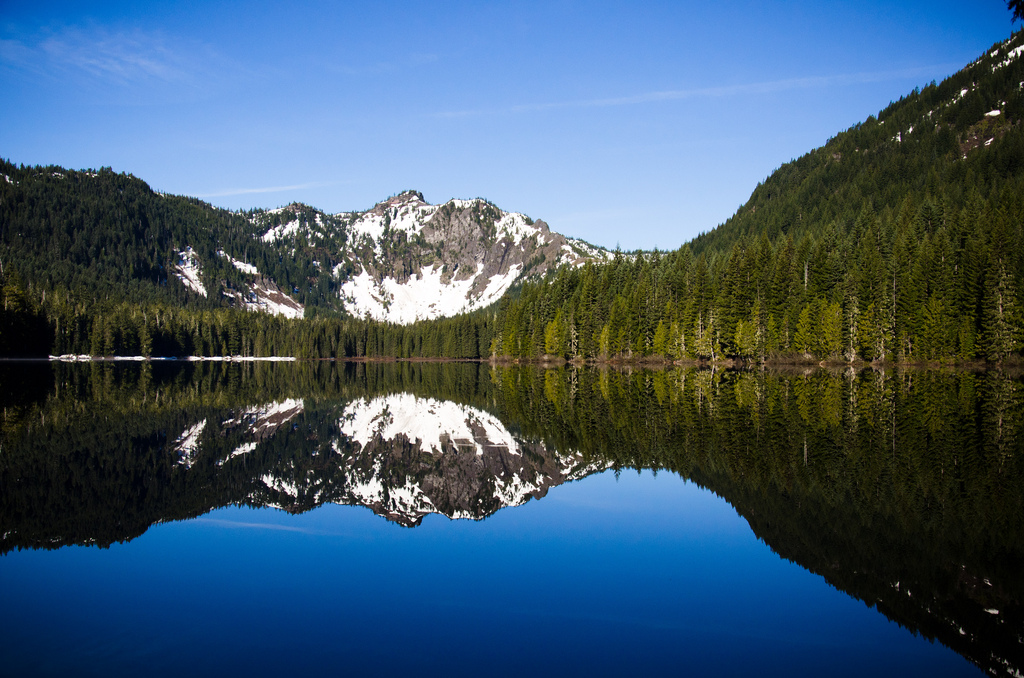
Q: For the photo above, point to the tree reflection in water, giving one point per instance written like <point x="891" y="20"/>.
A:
<point x="904" y="489"/>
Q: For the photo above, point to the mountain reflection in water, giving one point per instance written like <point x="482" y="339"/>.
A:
<point x="903" y="489"/>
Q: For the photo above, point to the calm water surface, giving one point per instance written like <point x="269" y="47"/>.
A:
<point x="590" y="533"/>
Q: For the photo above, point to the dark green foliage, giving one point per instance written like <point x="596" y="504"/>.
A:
<point x="901" y="238"/>
<point x="23" y="328"/>
<point x="108" y="237"/>
<point x="886" y="483"/>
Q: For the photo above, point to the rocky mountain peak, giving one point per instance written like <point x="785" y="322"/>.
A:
<point x="416" y="261"/>
<point x="401" y="261"/>
<point x="403" y="199"/>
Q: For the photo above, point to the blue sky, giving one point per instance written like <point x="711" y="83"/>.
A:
<point x="631" y="124"/>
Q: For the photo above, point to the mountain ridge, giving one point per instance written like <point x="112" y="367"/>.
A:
<point x="102" y="233"/>
<point x="900" y="239"/>
<point x="405" y="260"/>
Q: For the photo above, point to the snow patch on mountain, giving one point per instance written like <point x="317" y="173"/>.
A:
<point x="1010" y="56"/>
<point x="264" y="296"/>
<point x="261" y="419"/>
<point x="282" y="231"/>
<point x="423" y="296"/>
<point x="271" y="300"/>
<point x="187" y="270"/>
<point x="281" y="485"/>
<point x="514" y="226"/>
<point x="240" y="265"/>
<point x="407" y="502"/>
<point x="406" y="213"/>
<point x="187" y="444"/>
<point x="242" y="450"/>
<point x="429" y="422"/>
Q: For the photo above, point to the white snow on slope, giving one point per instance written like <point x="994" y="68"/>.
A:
<point x="425" y="420"/>
<point x="1010" y="56"/>
<point x="409" y="500"/>
<point x="281" y="485"/>
<point x="513" y="225"/>
<point x="187" y="270"/>
<point x="276" y="413"/>
<point x="268" y="415"/>
<point x="421" y="297"/>
<point x="242" y="449"/>
<point x="278" y="232"/>
<point x="408" y="216"/>
<point x="577" y="252"/>
<point x="240" y="265"/>
<point x="263" y="299"/>
<point x="275" y="303"/>
<point x="187" y="444"/>
<point x="497" y="286"/>
<point x="261" y="420"/>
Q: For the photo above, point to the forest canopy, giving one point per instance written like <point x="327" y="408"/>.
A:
<point x="901" y="238"/>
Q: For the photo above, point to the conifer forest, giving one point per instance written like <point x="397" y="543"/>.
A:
<point x="900" y="239"/>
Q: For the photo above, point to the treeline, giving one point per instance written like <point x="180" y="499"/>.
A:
<point x="24" y="330"/>
<point x="868" y="477"/>
<point x="900" y="487"/>
<point x="901" y="239"/>
<point x="61" y="323"/>
<point x="107" y="236"/>
<point x="932" y="280"/>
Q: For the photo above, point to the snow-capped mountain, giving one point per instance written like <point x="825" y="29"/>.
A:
<point x="409" y="456"/>
<point x="419" y="261"/>
<point x="399" y="455"/>
<point x="407" y="260"/>
<point x="401" y="261"/>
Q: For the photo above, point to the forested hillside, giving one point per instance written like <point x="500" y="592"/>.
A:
<point x="108" y="236"/>
<point x="901" y="238"/>
<point x="77" y="246"/>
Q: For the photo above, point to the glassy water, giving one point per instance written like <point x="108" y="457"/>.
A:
<point x="452" y="519"/>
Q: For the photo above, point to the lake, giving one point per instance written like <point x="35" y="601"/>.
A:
<point x="463" y="519"/>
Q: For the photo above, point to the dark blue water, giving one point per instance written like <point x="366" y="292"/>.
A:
<point x="634" y="575"/>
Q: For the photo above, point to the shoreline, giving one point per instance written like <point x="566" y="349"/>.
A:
<point x="552" y="362"/>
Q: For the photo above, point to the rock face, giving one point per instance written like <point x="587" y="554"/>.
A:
<point x="407" y="260"/>
<point x="404" y="457"/>
<point x="407" y="456"/>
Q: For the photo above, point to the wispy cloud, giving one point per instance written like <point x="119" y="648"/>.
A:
<point x="268" y="189"/>
<point x="755" y="88"/>
<point x="317" y="530"/>
<point x="122" y="57"/>
<point x="92" y="56"/>
<point x="256" y="526"/>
